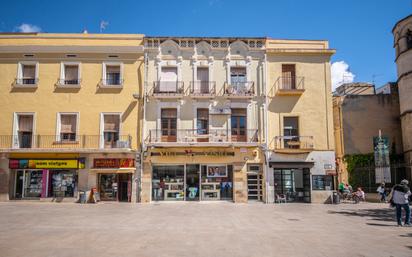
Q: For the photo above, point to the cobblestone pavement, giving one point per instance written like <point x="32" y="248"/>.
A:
<point x="200" y="229"/>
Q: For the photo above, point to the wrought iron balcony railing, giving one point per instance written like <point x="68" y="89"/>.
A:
<point x="64" y="82"/>
<point x="203" y="136"/>
<point x="111" y="82"/>
<point x="56" y="141"/>
<point x="288" y="85"/>
<point x="203" y="88"/>
<point x="26" y="81"/>
<point x="294" y="142"/>
<point x="168" y="88"/>
<point x="239" y="89"/>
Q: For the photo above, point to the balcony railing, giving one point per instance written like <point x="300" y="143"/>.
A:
<point x="203" y="136"/>
<point x="168" y="88"/>
<point x="289" y="85"/>
<point x="75" y="142"/>
<point x="203" y="88"/>
<point x="64" y="82"/>
<point x="239" y="89"/>
<point x="26" y="81"/>
<point x="111" y="82"/>
<point x="294" y="142"/>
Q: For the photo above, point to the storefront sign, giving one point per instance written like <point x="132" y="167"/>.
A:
<point x="216" y="171"/>
<point x="110" y="163"/>
<point x="205" y="153"/>
<point x="44" y="164"/>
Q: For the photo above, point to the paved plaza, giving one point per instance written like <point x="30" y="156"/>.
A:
<point x="200" y="229"/>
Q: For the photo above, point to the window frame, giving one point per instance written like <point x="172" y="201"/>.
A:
<point x="316" y="187"/>
<point x="58" y="126"/>
<point x="63" y="74"/>
<point x="16" y="144"/>
<point x="20" y="68"/>
<point x="103" y="83"/>
<point x="102" y="114"/>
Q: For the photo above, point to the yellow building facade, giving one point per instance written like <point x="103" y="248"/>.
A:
<point x="69" y="115"/>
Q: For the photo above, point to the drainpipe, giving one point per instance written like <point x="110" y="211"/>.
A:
<point x="143" y="133"/>
<point x="265" y="125"/>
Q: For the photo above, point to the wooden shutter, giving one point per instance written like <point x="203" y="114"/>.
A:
<point x="68" y="123"/>
<point x="111" y="122"/>
<point x="71" y="72"/>
<point x="25" y="123"/>
<point x="29" y="71"/>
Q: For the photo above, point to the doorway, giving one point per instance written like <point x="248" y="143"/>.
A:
<point x="19" y="184"/>
<point x="192" y="182"/>
<point x="125" y="187"/>
<point x="254" y="183"/>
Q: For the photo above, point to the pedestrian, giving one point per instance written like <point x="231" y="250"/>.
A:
<point x="381" y="192"/>
<point x="400" y="199"/>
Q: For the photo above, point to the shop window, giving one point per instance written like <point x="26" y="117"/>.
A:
<point x="238" y="124"/>
<point x="62" y="183"/>
<point x="322" y="182"/>
<point x="169" y="124"/>
<point x="291" y="132"/>
<point x="292" y="184"/>
<point x="33" y="183"/>
<point x="202" y="125"/>
<point x="168" y="183"/>
<point x="68" y="127"/>
<point x="25" y="131"/>
<point x="27" y="74"/>
<point x="111" y="130"/>
<point x="288" y="76"/>
<point x="217" y="182"/>
<point x="108" y="187"/>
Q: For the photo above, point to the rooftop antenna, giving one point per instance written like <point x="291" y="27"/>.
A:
<point x="374" y="77"/>
<point x="103" y="25"/>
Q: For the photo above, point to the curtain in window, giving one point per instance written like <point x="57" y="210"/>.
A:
<point x="111" y="123"/>
<point x="25" y="123"/>
<point x="29" y="71"/>
<point x="68" y="123"/>
<point x="71" y="72"/>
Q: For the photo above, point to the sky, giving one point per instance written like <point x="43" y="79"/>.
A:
<point x="359" y="30"/>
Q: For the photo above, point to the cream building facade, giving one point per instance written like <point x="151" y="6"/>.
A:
<point x="402" y="33"/>
<point x="69" y="115"/>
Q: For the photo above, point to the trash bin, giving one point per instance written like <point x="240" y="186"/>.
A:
<point x="82" y="197"/>
<point x="336" y="198"/>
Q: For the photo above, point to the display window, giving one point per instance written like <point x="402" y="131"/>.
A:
<point x="115" y="187"/>
<point x="217" y="182"/>
<point x="33" y="183"/>
<point x="62" y="184"/>
<point x="168" y="182"/>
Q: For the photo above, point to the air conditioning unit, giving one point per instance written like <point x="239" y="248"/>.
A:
<point x="122" y="144"/>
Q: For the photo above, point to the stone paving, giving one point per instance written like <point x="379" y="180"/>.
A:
<point x="200" y="229"/>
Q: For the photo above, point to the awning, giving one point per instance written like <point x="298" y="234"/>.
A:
<point x="291" y="165"/>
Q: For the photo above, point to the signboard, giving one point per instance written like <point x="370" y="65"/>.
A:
<point x="216" y="171"/>
<point x="45" y="164"/>
<point x="110" y="163"/>
<point x="381" y="154"/>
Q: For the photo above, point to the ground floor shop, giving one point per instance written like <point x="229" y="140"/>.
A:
<point x="202" y="175"/>
<point x="303" y="177"/>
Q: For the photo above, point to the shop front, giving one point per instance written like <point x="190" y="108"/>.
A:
<point x="45" y="178"/>
<point x="114" y="178"/>
<point x="197" y="174"/>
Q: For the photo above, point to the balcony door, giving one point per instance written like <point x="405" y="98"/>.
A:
<point x="202" y="125"/>
<point x="238" y="122"/>
<point x="168" y="80"/>
<point x="25" y="131"/>
<point x="111" y="130"/>
<point x="169" y="125"/>
<point x="202" y="80"/>
<point x="291" y="132"/>
<point x="288" y="76"/>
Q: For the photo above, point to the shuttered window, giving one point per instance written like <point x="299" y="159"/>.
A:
<point x="68" y="127"/>
<point x="25" y="123"/>
<point x="111" y="123"/>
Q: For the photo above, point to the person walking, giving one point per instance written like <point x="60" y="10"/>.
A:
<point x="400" y="198"/>
<point x="381" y="192"/>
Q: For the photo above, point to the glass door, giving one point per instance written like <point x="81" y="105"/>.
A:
<point x="192" y="182"/>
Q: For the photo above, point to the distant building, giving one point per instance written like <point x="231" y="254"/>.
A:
<point x="355" y="88"/>
<point x="386" y="89"/>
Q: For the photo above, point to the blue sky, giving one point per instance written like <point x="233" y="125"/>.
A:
<point x="360" y="30"/>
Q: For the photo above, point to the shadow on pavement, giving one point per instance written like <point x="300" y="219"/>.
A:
<point x="373" y="214"/>
<point x="407" y="235"/>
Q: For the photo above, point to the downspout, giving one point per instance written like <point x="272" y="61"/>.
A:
<point x="265" y="125"/>
<point x="143" y="133"/>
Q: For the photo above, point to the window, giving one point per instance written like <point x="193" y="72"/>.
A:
<point x="291" y="132"/>
<point x="169" y="125"/>
<point x="237" y="75"/>
<point x="202" y="123"/>
<point x="111" y="130"/>
<point x="25" y="130"/>
<point x="409" y="39"/>
<point x="27" y="73"/>
<point x="112" y="74"/>
<point x="202" y="85"/>
<point x="70" y="74"/>
<point x="68" y="127"/>
<point x="322" y="182"/>
<point x="288" y="76"/>
<point x="168" y="80"/>
<point x="238" y="121"/>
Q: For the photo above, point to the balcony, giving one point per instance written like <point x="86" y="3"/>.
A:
<point x="68" y="83"/>
<point x="290" y="85"/>
<point x="203" y="89"/>
<point x="167" y="89"/>
<point x="26" y="82"/>
<point x="72" y="143"/>
<point x="239" y="89"/>
<point x="111" y="83"/>
<point x="203" y="137"/>
<point x="294" y="143"/>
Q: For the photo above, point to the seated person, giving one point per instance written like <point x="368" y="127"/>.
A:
<point x="359" y="193"/>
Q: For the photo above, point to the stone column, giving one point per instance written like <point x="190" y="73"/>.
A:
<point x="239" y="182"/>
<point x="146" y="182"/>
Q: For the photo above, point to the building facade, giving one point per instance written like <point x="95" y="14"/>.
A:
<point x="202" y="121"/>
<point x="299" y="128"/>
<point x="402" y="33"/>
<point x="69" y="115"/>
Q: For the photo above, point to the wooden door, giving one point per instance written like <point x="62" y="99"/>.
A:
<point x="169" y="125"/>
